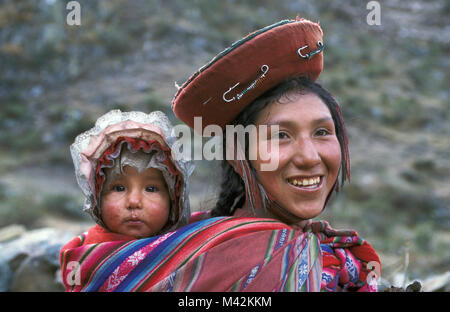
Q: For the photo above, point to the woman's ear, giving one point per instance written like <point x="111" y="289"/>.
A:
<point x="235" y="152"/>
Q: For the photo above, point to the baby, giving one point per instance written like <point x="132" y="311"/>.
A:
<point x="134" y="186"/>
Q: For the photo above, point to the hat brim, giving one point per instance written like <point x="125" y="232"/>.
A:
<point x="233" y="79"/>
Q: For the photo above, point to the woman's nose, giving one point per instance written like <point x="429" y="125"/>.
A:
<point x="305" y="154"/>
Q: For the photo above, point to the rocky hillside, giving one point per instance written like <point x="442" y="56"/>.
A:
<point x="391" y="80"/>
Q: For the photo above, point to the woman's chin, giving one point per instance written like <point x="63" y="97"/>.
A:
<point x="306" y="212"/>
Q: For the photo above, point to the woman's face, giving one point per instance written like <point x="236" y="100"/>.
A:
<point x="309" y="154"/>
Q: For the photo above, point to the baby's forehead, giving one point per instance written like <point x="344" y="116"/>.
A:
<point x="130" y="172"/>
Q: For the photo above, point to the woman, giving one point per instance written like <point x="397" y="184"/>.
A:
<point x="267" y="78"/>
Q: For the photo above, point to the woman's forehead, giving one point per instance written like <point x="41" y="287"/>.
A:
<point x="295" y="107"/>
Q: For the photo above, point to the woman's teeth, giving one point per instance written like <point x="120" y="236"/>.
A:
<point x="304" y="181"/>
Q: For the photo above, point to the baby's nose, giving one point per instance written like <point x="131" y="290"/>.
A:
<point x="134" y="200"/>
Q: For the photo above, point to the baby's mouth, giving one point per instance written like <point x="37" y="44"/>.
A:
<point x="305" y="182"/>
<point x="133" y="221"/>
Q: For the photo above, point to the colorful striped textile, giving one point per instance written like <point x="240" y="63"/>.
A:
<point x="345" y="256"/>
<point x="216" y="254"/>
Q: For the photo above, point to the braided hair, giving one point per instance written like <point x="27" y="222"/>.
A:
<point x="232" y="192"/>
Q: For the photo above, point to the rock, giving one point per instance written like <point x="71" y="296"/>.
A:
<point x="394" y="289"/>
<point x="11" y="232"/>
<point x="30" y="262"/>
<point x="439" y="282"/>
<point x="36" y="273"/>
<point x="435" y="283"/>
<point x="414" y="287"/>
<point x="15" y="262"/>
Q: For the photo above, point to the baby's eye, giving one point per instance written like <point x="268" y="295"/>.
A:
<point x="118" y="188"/>
<point x="151" y="189"/>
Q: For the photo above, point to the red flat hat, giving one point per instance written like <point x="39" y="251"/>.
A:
<point x="233" y="79"/>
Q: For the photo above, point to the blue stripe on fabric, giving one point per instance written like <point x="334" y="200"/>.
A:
<point x="352" y="270"/>
<point x="282" y="239"/>
<point x="171" y="281"/>
<point x="251" y="276"/>
<point x="326" y="248"/>
<point x="303" y="266"/>
<point x="160" y="252"/>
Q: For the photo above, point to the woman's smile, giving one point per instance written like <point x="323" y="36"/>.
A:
<point x="307" y="184"/>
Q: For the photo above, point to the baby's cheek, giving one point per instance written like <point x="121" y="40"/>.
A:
<point x="159" y="204"/>
<point x="111" y="209"/>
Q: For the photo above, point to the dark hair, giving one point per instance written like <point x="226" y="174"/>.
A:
<point x="232" y="193"/>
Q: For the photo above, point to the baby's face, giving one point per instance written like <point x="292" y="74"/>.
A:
<point x="136" y="204"/>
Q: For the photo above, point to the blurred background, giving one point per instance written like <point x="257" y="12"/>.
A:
<point x="390" y="79"/>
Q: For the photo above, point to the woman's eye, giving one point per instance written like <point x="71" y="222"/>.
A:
<point x="322" y="132"/>
<point x="151" y="189"/>
<point x="118" y="188"/>
<point x="280" y="135"/>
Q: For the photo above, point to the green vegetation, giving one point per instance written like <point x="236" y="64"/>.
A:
<point x="27" y="208"/>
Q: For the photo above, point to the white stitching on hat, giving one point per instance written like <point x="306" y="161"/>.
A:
<point x="264" y="69"/>
<point x="308" y="56"/>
